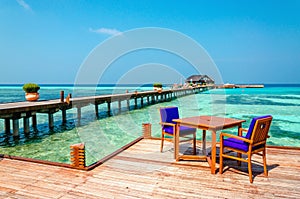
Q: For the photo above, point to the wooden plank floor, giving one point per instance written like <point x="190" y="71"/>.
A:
<point x="143" y="172"/>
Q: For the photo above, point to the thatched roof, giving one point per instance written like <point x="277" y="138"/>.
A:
<point x="199" y="79"/>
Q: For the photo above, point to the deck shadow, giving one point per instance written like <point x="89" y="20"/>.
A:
<point x="257" y="166"/>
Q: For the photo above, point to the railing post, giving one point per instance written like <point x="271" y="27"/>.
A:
<point x="147" y="130"/>
<point x="77" y="155"/>
<point x="62" y="96"/>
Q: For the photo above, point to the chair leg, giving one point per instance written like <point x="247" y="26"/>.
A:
<point x="250" y="168"/>
<point x="194" y="143"/>
<point x="265" y="163"/>
<point x="162" y="142"/>
<point x="221" y="159"/>
<point x="239" y="155"/>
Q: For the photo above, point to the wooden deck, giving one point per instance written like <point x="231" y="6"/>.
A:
<point x="142" y="171"/>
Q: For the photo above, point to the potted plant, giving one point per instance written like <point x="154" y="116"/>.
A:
<point x="157" y="86"/>
<point x="31" y="91"/>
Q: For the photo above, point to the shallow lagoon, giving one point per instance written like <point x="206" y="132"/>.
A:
<point x="107" y="134"/>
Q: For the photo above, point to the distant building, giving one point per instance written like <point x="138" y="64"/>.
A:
<point x="200" y="79"/>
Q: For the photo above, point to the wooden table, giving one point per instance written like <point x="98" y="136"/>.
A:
<point x="210" y="123"/>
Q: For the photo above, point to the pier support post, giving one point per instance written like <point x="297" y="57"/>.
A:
<point x="97" y="110"/>
<point x="26" y="124"/>
<point x="50" y="120"/>
<point x="142" y="102"/>
<point x="64" y="116"/>
<point x="135" y="103"/>
<point x="79" y="114"/>
<point x="34" y="123"/>
<point x="7" y="125"/>
<point x="108" y="109"/>
<point x="120" y="106"/>
<point x="15" y="127"/>
<point x="128" y="105"/>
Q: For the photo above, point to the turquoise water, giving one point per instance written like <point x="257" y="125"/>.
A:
<point x="105" y="135"/>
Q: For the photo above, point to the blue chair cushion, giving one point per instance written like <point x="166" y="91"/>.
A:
<point x="252" y="124"/>
<point x="236" y="144"/>
<point x="183" y="130"/>
<point x="239" y="144"/>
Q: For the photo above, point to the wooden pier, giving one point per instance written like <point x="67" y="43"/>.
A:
<point x="13" y="112"/>
<point x="240" y="86"/>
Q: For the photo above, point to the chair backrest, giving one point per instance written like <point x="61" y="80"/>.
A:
<point x="259" y="128"/>
<point x="167" y="114"/>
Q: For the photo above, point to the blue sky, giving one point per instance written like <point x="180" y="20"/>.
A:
<point x="249" y="41"/>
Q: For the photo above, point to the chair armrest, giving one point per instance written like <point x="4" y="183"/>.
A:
<point x="235" y="137"/>
<point x="167" y="124"/>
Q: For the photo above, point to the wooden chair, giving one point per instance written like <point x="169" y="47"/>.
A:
<point x="167" y="114"/>
<point x="253" y="143"/>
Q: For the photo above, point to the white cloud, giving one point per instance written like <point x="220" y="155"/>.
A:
<point x="106" y="31"/>
<point x="24" y="4"/>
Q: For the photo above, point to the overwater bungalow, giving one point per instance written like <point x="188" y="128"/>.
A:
<point x="200" y="79"/>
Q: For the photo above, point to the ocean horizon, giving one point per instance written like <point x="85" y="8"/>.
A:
<point x="145" y="84"/>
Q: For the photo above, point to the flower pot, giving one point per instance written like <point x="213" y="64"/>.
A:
<point x="158" y="89"/>
<point x="32" y="96"/>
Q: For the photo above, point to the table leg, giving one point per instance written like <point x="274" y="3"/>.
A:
<point x="204" y="142"/>
<point x="240" y="133"/>
<point x="176" y="142"/>
<point x="213" y="152"/>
